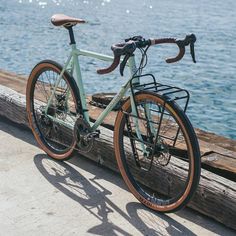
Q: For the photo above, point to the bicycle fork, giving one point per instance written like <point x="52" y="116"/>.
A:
<point x="134" y="110"/>
<point x="152" y="132"/>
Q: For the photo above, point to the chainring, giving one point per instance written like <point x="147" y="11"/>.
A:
<point x="82" y="133"/>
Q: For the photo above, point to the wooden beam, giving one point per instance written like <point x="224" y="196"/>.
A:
<point x="218" y="153"/>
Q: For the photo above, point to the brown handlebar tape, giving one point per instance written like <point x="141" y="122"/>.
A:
<point x="112" y="67"/>
<point x="171" y="40"/>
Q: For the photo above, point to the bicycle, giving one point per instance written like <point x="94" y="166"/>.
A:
<point x="156" y="148"/>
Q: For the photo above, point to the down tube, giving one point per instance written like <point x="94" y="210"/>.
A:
<point x="111" y="105"/>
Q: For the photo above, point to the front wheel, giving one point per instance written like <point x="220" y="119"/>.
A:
<point x="157" y="152"/>
<point x="52" y="105"/>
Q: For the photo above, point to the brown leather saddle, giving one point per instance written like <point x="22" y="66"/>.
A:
<point x="66" y="21"/>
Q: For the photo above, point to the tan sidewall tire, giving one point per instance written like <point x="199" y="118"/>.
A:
<point x="125" y="107"/>
<point x="32" y="125"/>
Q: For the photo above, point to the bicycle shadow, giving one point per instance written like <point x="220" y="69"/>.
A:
<point x="93" y="197"/>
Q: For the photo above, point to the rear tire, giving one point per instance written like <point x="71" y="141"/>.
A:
<point x="167" y="182"/>
<point x="49" y="129"/>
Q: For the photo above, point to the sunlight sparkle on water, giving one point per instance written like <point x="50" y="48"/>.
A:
<point x="43" y="4"/>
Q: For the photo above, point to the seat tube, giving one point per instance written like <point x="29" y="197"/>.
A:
<point x="79" y="82"/>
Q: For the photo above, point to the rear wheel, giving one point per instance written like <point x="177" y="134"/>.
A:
<point x="161" y="163"/>
<point x="52" y="126"/>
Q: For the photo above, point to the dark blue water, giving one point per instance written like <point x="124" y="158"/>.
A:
<point x="27" y="36"/>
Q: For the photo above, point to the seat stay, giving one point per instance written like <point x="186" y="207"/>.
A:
<point x="57" y="82"/>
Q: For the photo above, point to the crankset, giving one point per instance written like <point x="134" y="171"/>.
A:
<point x="84" y="135"/>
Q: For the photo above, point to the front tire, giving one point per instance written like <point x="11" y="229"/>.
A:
<point x="162" y="177"/>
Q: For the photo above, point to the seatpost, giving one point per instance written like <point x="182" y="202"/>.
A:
<point x="71" y="33"/>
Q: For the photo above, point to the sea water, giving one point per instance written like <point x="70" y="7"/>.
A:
<point x="27" y="36"/>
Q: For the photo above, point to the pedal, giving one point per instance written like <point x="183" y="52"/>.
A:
<point x="95" y="134"/>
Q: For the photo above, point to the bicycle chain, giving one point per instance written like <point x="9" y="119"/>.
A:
<point x="103" y="106"/>
<point x="102" y="100"/>
<point x="97" y="104"/>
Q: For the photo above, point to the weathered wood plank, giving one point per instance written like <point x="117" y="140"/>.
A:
<point x="13" y="81"/>
<point x="215" y="196"/>
<point x="220" y="141"/>
<point x="222" y="149"/>
<point x="220" y="164"/>
<point x="13" y="105"/>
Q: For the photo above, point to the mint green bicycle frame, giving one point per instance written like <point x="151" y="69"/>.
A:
<point x="73" y="67"/>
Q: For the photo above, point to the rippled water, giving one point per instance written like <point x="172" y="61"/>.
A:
<point x="27" y="37"/>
